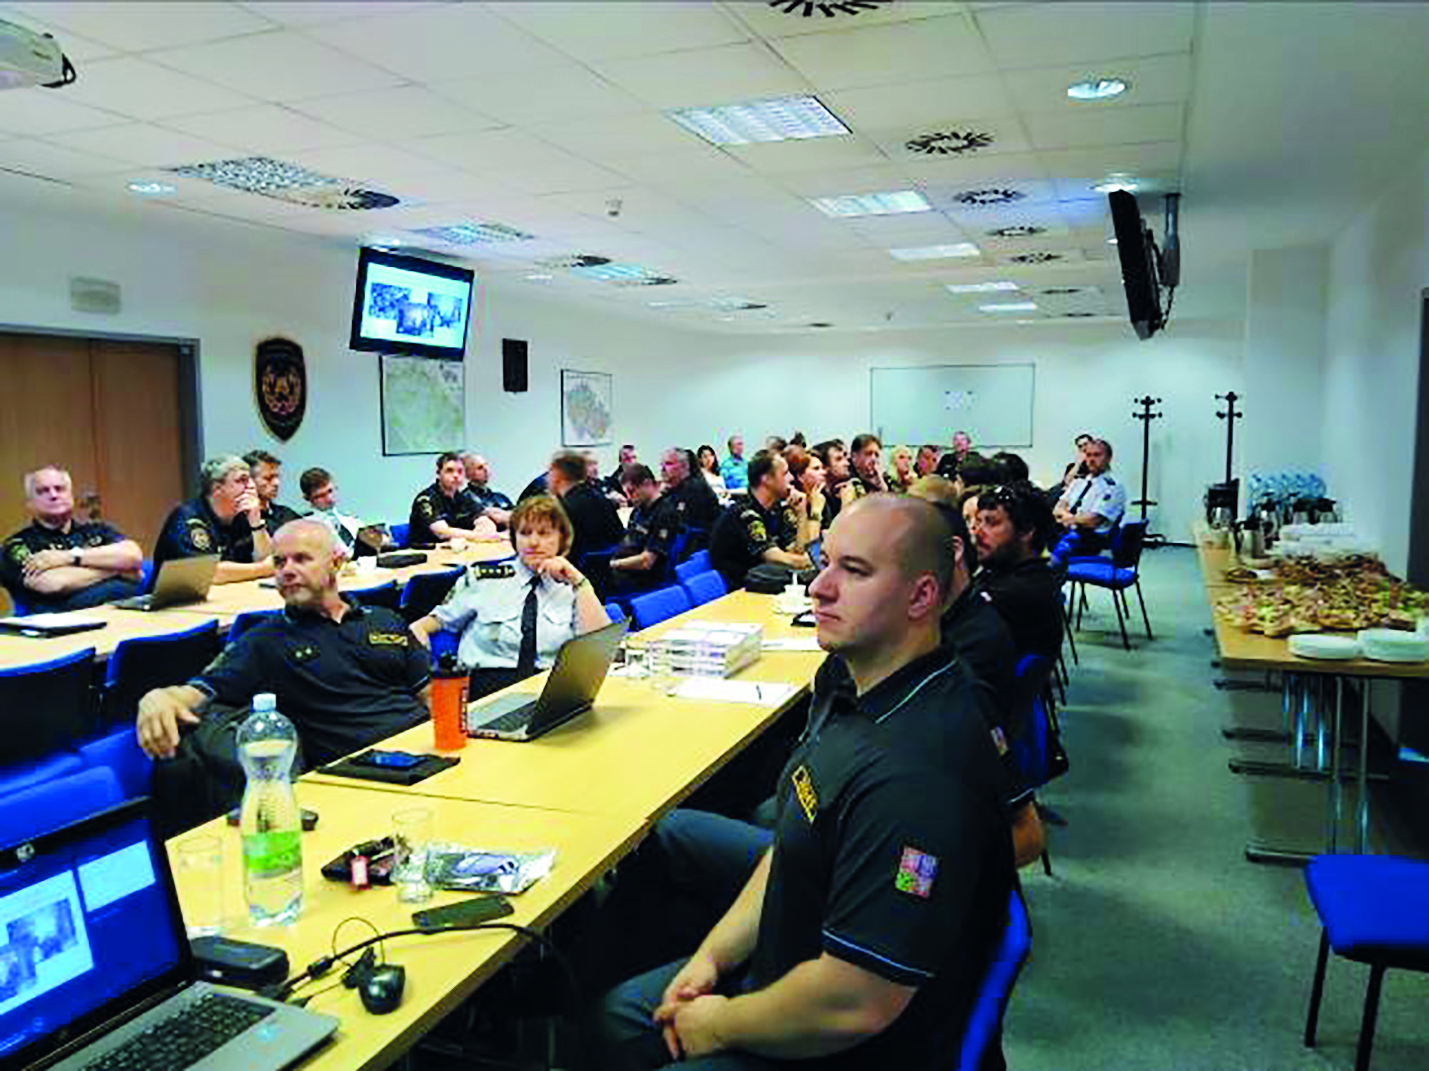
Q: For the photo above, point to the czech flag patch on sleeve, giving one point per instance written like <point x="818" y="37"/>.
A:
<point x="916" y="871"/>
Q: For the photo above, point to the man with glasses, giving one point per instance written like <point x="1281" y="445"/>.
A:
<point x="1013" y="522"/>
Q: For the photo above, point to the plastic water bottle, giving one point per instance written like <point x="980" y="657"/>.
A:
<point x="271" y="822"/>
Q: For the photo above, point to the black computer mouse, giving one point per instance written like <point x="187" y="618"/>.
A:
<point x="381" y="990"/>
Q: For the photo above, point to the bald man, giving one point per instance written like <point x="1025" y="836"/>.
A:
<point x="865" y="931"/>
<point x="346" y="675"/>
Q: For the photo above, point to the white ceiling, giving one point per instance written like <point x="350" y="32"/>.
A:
<point x="1275" y="120"/>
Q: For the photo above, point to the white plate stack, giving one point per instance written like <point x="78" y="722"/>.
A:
<point x="1391" y="645"/>
<point x="1319" y="646"/>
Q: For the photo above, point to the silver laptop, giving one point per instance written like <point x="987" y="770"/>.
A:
<point x="96" y="971"/>
<point x="571" y="687"/>
<point x="180" y="581"/>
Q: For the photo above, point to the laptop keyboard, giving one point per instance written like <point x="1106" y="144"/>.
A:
<point x="510" y="721"/>
<point x="186" y="1037"/>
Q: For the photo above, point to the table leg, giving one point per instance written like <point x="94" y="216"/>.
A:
<point x="1362" y="782"/>
<point x="1336" y="792"/>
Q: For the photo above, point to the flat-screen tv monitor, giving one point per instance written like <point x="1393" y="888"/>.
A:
<point x="411" y="305"/>
<point x="1137" y="250"/>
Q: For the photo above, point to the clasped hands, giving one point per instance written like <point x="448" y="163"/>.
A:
<point x="689" y="1011"/>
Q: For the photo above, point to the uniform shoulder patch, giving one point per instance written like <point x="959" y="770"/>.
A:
<point x="425" y="508"/>
<point x="387" y="639"/>
<point x="804" y="792"/>
<point x="199" y="534"/>
<point x="999" y="740"/>
<point x="1109" y="481"/>
<point x="916" y="871"/>
<point x="17" y="551"/>
<point x="757" y="531"/>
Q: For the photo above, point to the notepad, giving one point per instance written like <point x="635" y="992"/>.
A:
<point x="793" y="643"/>
<point x="50" y="624"/>
<point x="728" y="691"/>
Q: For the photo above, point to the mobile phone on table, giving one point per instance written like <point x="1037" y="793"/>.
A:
<point x="464" y="912"/>
<point x="389" y="760"/>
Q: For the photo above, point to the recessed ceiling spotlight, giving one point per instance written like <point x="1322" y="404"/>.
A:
<point x="1010" y="306"/>
<point x="872" y="204"/>
<point x="997" y="195"/>
<point x="980" y="288"/>
<point x="773" y="119"/>
<point x="1098" y="89"/>
<point x="1117" y="184"/>
<point x="936" y="252"/>
<point x="152" y="189"/>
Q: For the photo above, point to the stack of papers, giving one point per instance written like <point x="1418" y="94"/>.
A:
<point x="709" y="649"/>
<point x="723" y="691"/>
<point x="50" y="624"/>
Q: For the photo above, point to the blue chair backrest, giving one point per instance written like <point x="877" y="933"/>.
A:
<point x="614" y="611"/>
<point x="148" y="662"/>
<point x="120" y="753"/>
<point x="246" y="620"/>
<point x="49" y="706"/>
<point x="18" y="606"/>
<point x="399" y="532"/>
<point x="385" y="595"/>
<point x="1131" y="538"/>
<point x="39" y="809"/>
<point x="425" y="591"/>
<point x="658" y="605"/>
<point x="700" y="558"/>
<point x="146" y="575"/>
<point x="705" y="587"/>
<point x="687" y="569"/>
<point x="996" y="989"/>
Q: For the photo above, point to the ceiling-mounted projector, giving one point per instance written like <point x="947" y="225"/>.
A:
<point x="31" y="59"/>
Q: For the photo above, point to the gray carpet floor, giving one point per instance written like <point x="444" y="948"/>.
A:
<point x="1156" y="944"/>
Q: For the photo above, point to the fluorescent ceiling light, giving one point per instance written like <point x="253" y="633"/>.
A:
<point x="980" y="288"/>
<point x="474" y="233"/>
<point x="152" y="189"/>
<point x="1116" y="184"/>
<point x="1009" y="306"/>
<point x="1098" y="89"/>
<point x="872" y="204"/>
<point x="258" y="174"/>
<point x="936" y="252"/>
<point x="773" y="119"/>
<point x="539" y="277"/>
<point x="624" y="275"/>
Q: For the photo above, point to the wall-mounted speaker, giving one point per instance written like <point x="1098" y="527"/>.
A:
<point x="513" y="365"/>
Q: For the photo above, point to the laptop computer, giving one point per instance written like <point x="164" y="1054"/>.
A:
<point x="180" y="581"/>
<point x="96" y="971"/>
<point x="571" y="687"/>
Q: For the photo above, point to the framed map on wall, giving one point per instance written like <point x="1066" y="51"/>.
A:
<point x="586" y="411"/>
<point x="423" y="405"/>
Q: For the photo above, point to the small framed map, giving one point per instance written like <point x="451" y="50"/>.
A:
<point x="423" y="405"/>
<point x="586" y="408"/>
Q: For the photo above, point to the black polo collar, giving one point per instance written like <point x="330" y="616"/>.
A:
<point x="355" y="610"/>
<point x="889" y="695"/>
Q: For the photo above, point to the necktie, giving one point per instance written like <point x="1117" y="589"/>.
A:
<point x="1085" y="488"/>
<point x="526" y="660"/>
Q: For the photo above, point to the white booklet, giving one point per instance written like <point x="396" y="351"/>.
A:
<point x="724" y="690"/>
<point x="50" y="624"/>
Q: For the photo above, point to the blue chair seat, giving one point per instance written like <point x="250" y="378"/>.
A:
<point x="1373" y="906"/>
<point x="614" y="611"/>
<point x="1102" y="573"/>
<point x="399" y="532"/>
<point x="658" y="606"/>
<point x="57" y="803"/>
<point x="705" y="587"/>
<point x="23" y="775"/>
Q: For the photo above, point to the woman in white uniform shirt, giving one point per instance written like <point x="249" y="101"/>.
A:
<point x="488" y="613"/>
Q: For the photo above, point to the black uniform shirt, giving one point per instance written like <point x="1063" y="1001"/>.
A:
<point x="891" y="852"/>
<point x="594" y="519"/>
<point x="1029" y="598"/>
<point x="193" y="529"/>
<point x="742" y="534"/>
<point x="486" y="498"/>
<point x="37" y="537"/>
<point x="651" y="527"/>
<point x="431" y="505"/>
<point x="342" y="684"/>
<point x="277" y="515"/>
<point x="695" y="502"/>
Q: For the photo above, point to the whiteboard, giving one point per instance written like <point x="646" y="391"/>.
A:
<point x="926" y="404"/>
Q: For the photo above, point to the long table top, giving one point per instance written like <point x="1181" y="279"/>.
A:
<point x="442" y="970"/>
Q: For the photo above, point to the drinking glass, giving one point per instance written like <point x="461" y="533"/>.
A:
<point x="199" y="862"/>
<point x="411" y="833"/>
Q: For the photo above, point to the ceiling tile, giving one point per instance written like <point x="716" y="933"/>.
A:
<point x="145" y="90"/>
<point x="1153" y="80"/>
<point x="137" y="25"/>
<point x="709" y="76"/>
<point x="1064" y="130"/>
<point x="565" y="93"/>
<point x="807" y="154"/>
<point x="824" y="182"/>
<point x="380" y="165"/>
<point x="919" y="103"/>
<point x="573" y="175"/>
<point x="1154" y="156"/>
<point x="53" y="161"/>
<point x="307" y="12"/>
<point x="615" y="136"/>
<point x="78" y="49"/>
<point x="265" y="128"/>
<point x="1006" y="134"/>
<point x="884" y="55"/>
<point x="279" y="66"/>
<point x="489" y="150"/>
<point x="1054" y="35"/>
<point x="593" y="32"/>
<point x="692" y="165"/>
<point x="444" y="42"/>
<point x="942" y="172"/>
<point x="42" y="111"/>
<point x="145" y="144"/>
<point x="410" y="111"/>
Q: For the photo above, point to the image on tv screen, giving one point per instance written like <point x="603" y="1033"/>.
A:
<point x="406" y="306"/>
<point x="385" y="299"/>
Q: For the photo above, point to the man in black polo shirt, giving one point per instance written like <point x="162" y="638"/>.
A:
<point x="759" y="527"/>
<point x="690" y="492"/>
<point x="863" y="935"/>
<point x="495" y="506"/>
<point x="639" y="562"/>
<point x="225" y="519"/>
<point x="345" y="675"/>
<point x="57" y="563"/>
<point x="445" y="510"/>
<point x="593" y="516"/>
<point x="866" y="456"/>
<point x="1013" y="523"/>
<point x="267" y="473"/>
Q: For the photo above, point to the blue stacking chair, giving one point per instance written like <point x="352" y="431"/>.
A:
<point x="985" y="1019"/>
<point x="1372" y="910"/>
<point x="246" y="620"/>
<point x="704" y="587"/>
<point x="425" y="591"/>
<point x="1035" y="736"/>
<point x="694" y="565"/>
<point x="399" y="532"/>
<point x="659" y="605"/>
<point x="49" y="709"/>
<point x="615" y="611"/>
<point x="18" y="606"/>
<point x="57" y="803"/>
<point x="148" y="662"/>
<point x="146" y="575"/>
<point x="120" y="753"/>
<point x="1117" y="573"/>
<point x="384" y="595"/>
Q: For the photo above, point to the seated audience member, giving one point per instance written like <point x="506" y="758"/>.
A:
<point x="979" y="471"/>
<point x="759" y="528"/>
<point x="967" y="506"/>
<point x="951" y="463"/>
<point x="807" y="472"/>
<point x="512" y="626"/>
<point x="641" y="559"/>
<point x="862" y="937"/>
<point x="927" y="462"/>
<point x="1012" y="468"/>
<point x="495" y="506"/>
<point x="446" y="510"/>
<point x="344" y="674"/>
<point x="837" y="474"/>
<point x="1092" y="507"/>
<point x="901" y="476"/>
<point x="867" y="456"/>
<point x="57" y="563"/>
<point x="797" y="439"/>
<point x="225" y="519"/>
<point x="708" y="462"/>
<point x="1013" y="523"/>
<point x="268" y="481"/>
<point x="536" y="487"/>
<point x="320" y="492"/>
<point x="593" y="517"/>
<point x="732" y="468"/>
<point x="693" y="500"/>
<point x="615" y="482"/>
<point x="775" y="444"/>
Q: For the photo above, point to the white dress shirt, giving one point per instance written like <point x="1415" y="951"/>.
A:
<point x="487" y="613"/>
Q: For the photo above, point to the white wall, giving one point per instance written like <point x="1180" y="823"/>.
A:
<point x="1378" y="267"/>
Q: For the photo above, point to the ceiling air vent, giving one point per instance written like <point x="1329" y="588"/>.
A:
<point x="1068" y="291"/>
<point x="997" y="195"/>
<point x="1077" y="315"/>
<point x="647" y="280"/>
<point x="1035" y="258"/>
<point x="1021" y="230"/>
<point x="283" y="181"/>
<point x="575" y="260"/>
<point x="337" y="198"/>
<point x="821" y="323"/>
<point x="830" y="9"/>
<point x="949" y="142"/>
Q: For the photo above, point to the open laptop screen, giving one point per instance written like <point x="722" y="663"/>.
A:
<point x="88" y="927"/>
